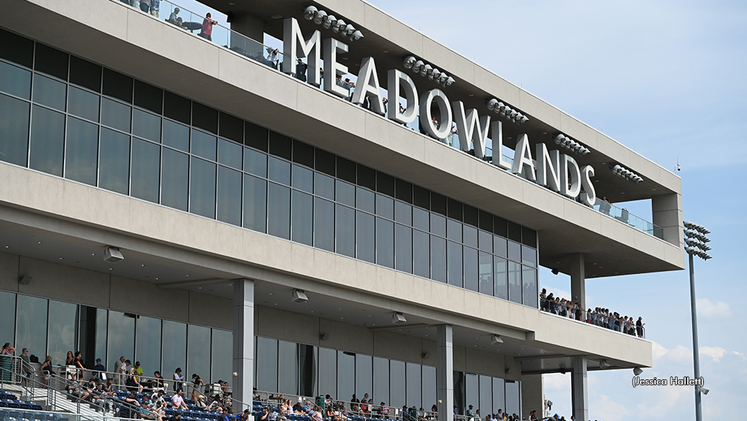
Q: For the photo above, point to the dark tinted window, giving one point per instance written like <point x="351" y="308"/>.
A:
<point x="205" y="117"/>
<point x="324" y="162"/>
<point x="117" y="85"/>
<point x="256" y="136"/>
<point x="346" y="169"/>
<point x="51" y="61"/>
<point x="148" y="97"/>
<point x="385" y="184"/>
<point x="177" y="107"/>
<point x="16" y="48"/>
<point x="280" y="145"/>
<point x="303" y="153"/>
<point x="85" y="73"/>
<point x="231" y="127"/>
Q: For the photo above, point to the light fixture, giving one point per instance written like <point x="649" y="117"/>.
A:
<point x="425" y="70"/>
<point x="319" y="17"/>
<point x="309" y="12"/>
<point x="442" y="79"/>
<point x="356" y="35"/>
<point x="409" y="62"/>
<point x="339" y="26"/>
<point x="434" y="74"/>
<point x="349" y="29"/>
<point x="112" y="255"/>
<point x="603" y="364"/>
<point x="496" y="339"/>
<point x="450" y="81"/>
<point x="425" y="355"/>
<point x="625" y="173"/>
<point x="398" y="318"/>
<point x="24" y="280"/>
<point x="555" y="271"/>
<point x="299" y="296"/>
<point x="417" y="66"/>
<point x="637" y="371"/>
<point x="492" y="104"/>
<point x="324" y="336"/>
<point x="703" y="390"/>
<point x="329" y="20"/>
<point x="499" y="107"/>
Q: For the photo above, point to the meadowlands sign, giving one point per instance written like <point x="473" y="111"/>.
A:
<point x="554" y="170"/>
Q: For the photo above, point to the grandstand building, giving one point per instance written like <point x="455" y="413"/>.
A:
<point x="203" y="204"/>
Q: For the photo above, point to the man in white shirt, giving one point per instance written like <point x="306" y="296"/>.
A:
<point x="178" y="401"/>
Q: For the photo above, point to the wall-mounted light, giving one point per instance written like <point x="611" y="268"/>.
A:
<point x="327" y="21"/>
<point x="625" y="173"/>
<point x="496" y="339"/>
<point x="571" y="144"/>
<point x="398" y="318"/>
<point x="499" y="107"/>
<point x="299" y="296"/>
<point x="113" y="255"/>
<point x="310" y="12"/>
<point x="427" y="70"/>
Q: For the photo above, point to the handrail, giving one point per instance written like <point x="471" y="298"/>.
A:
<point x="595" y="318"/>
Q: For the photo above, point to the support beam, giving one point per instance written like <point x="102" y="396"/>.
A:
<point x="532" y="394"/>
<point x="578" y="280"/>
<point x="445" y="373"/>
<point x="243" y="344"/>
<point x="579" y="394"/>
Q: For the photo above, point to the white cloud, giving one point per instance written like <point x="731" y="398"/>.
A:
<point x="714" y="352"/>
<point x="711" y="310"/>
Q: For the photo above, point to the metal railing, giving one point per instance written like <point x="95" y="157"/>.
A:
<point x="608" y="321"/>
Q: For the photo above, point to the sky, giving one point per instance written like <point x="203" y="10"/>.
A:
<point x="666" y="79"/>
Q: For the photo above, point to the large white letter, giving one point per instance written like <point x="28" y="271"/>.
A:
<point x="523" y="158"/>
<point x="426" y="118"/>
<point x="368" y="85"/>
<point x="295" y="46"/>
<point x="589" y="195"/>
<point x="547" y="161"/>
<point x="497" y="133"/>
<point x="395" y="77"/>
<point x="470" y="129"/>
<point x="332" y="68"/>
<point x="570" y="186"/>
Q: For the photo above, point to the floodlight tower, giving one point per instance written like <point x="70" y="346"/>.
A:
<point x="695" y="245"/>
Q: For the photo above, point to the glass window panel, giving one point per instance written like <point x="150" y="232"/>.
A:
<point x="49" y="92"/>
<point x="85" y="73"/>
<point x="222" y="356"/>
<point x="83" y="104"/>
<point x="287" y="370"/>
<point x="307" y="357"/>
<point x="459" y="392"/>
<point x="514" y="231"/>
<point x="114" y="161"/>
<point x="499" y="395"/>
<point x="364" y="224"/>
<point x="381" y="380"/>
<point x="255" y="203"/>
<point x="202" y="188"/>
<point x="438" y="225"/>
<point x="470" y="236"/>
<point x="198" y="351"/>
<point x="529" y="256"/>
<point x="471" y="274"/>
<point x="420" y="219"/>
<point x="514" y="281"/>
<point x="404" y="190"/>
<point x="280" y="145"/>
<point x="81" y="152"/>
<point x="115" y="115"/>
<point x="438" y="259"/>
<point x="345" y="230"/>
<point x="63" y="332"/>
<point x="175" y="353"/>
<point x="255" y="162"/>
<point x="364" y="375"/>
<point x="146" y="163"/>
<point x="486" y="273"/>
<point x="117" y="85"/>
<point x="486" y="395"/>
<point x="146" y="125"/>
<point x="148" y="352"/>
<point x="256" y="136"/>
<point x="500" y="246"/>
<point x="231" y="127"/>
<point x="176" y="135"/>
<point x="421" y="253"/>
<point x="384" y="206"/>
<point x="31" y="327"/>
<point x="513" y="397"/>
<point x="454" y="257"/>
<point x="229" y="153"/>
<point x="414" y="393"/>
<point x="52" y="61"/>
<point x="8" y="321"/>
<point x="15" y="80"/>
<point x="328" y="373"/>
<point x="529" y="280"/>
<point x="421" y="197"/>
<point x="396" y="383"/>
<point x="14" y="130"/>
<point x="177" y="107"/>
<point x="345" y="375"/>
<point x="121" y="337"/>
<point x="279" y="171"/>
<point x="345" y="193"/>
<point x="16" y="48"/>
<point x="278" y="211"/>
<point x="47" y="137"/>
<point x="429" y="387"/>
<point x="100" y="348"/>
<point x="471" y="392"/>
<point x="346" y="169"/>
<point x="303" y="178"/>
<point x="486" y="241"/>
<point x="501" y="278"/>
<point x="403" y="213"/>
<point x="174" y="179"/>
<point x="364" y="199"/>
<point x="324" y="224"/>
<point x="384" y="242"/>
<point x="148" y="97"/>
<point x="454" y="230"/>
<point x="229" y="195"/>
<point x="403" y="248"/>
<point x="205" y="117"/>
<point x="366" y="177"/>
<point x="514" y="251"/>
<point x="302" y="217"/>
<point x="324" y="186"/>
<point x="204" y="145"/>
<point x="267" y="364"/>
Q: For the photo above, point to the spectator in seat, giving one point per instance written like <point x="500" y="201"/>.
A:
<point x="177" y="401"/>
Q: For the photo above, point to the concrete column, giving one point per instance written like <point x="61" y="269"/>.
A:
<point x="667" y="215"/>
<point x="250" y="34"/>
<point x="243" y="343"/>
<point x="578" y="280"/>
<point x="445" y="373"/>
<point x="532" y="394"/>
<point x="579" y="395"/>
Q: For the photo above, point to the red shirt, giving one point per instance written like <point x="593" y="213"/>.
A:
<point x="207" y="26"/>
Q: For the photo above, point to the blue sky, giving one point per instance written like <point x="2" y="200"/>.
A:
<point x="666" y="79"/>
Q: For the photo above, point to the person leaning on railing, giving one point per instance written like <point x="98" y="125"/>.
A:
<point x="46" y="369"/>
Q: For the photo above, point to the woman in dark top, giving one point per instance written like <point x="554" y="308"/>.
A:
<point x="46" y="369"/>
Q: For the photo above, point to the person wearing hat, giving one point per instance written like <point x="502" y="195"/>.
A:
<point x="98" y="371"/>
<point x="175" y="19"/>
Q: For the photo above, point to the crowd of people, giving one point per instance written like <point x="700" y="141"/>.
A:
<point x="602" y="317"/>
